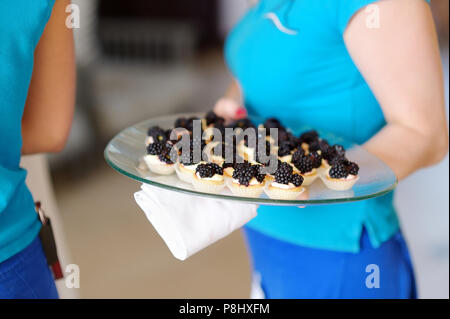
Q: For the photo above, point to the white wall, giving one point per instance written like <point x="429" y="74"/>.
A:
<point x="229" y="13"/>
<point x="422" y="202"/>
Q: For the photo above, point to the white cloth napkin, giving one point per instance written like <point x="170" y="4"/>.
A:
<point x="189" y="223"/>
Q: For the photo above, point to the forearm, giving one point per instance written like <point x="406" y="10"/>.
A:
<point x="230" y="105"/>
<point x="234" y="92"/>
<point x="50" y="102"/>
<point x="406" y="150"/>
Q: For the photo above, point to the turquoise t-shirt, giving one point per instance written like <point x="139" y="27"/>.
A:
<point x="291" y="62"/>
<point x="21" y="25"/>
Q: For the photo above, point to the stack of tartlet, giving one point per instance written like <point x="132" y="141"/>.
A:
<point x="280" y="164"/>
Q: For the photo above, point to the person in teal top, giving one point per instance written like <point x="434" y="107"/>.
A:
<point x="36" y="105"/>
<point x="368" y="71"/>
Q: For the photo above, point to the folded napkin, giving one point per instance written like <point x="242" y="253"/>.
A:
<point x="189" y="223"/>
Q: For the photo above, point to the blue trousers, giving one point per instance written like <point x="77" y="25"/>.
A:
<point x="290" y="271"/>
<point x="26" y="275"/>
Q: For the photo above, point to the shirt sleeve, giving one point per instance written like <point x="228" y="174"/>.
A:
<point x="348" y="8"/>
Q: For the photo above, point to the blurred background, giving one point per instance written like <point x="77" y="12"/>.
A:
<point x="139" y="59"/>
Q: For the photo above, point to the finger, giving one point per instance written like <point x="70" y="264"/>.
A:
<point x="229" y="109"/>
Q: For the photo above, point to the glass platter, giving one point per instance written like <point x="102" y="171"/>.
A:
<point x="125" y="151"/>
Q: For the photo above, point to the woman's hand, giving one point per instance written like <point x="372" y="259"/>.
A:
<point x="229" y="106"/>
<point x="51" y="96"/>
<point x="229" y="109"/>
<point x="400" y="61"/>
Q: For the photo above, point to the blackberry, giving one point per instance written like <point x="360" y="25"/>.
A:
<point x="181" y="122"/>
<point x="293" y="139"/>
<point x="241" y="165"/>
<point x="283" y="135"/>
<point x="314" y="146"/>
<point x="208" y="170"/>
<point x="162" y="150"/>
<point x="285" y="148"/>
<point x="304" y="164"/>
<point x="174" y="140"/>
<point x="332" y="152"/>
<point x="217" y="168"/>
<point x="205" y="171"/>
<point x="190" y="124"/>
<point x="299" y="153"/>
<point x="155" y="148"/>
<point x="297" y="180"/>
<point x="275" y="124"/>
<point x="336" y="159"/>
<point x="244" y="123"/>
<point x="283" y="173"/>
<point x="309" y="136"/>
<point x="165" y="157"/>
<point x="244" y="172"/>
<point x="272" y="123"/>
<point x="353" y="168"/>
<point x="226" y="165"/>
<point x="213" y="118"/>
<point x="158" y="134"/>
<point x="318" y="145"/>
<point x="342" y="168"/>
<point x="186" y="123"/>
<point x="316" y="159"/>
<point x="339" y="170"/>
<point x="259" y="175"/>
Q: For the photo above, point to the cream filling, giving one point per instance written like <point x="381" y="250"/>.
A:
<point x="229" y="170"/>
<point x="283" y="186"/>
<point x="149" y="140"/>
<point x="309" y="173"/>
<point x="154" y="160"/>
<point x="190" y="167"/>
<point x="250" y="152"/>
<point x="215" y="178"/>
<point x="217" y="159"/>
<point x="286" y="158"/>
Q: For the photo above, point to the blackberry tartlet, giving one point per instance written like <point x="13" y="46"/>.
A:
<point x="211" y="121"/>
<point x="158" y="158"/>
<point x="230" y="163"/>
<point x="285" y="150"/>
<point x="186" y="165"/>
<point x="306" y="165"/>
<point x="215" y="152"/>
<point x="208" y="178"/>
<point x="331" y="154"/>
<point x="286" y="184"/>
<point x="156" y="134"/>
<point x="308" y="138"/>
<point x="341" y="175"/>
<point x="250" y="153"/>
<point x="247" y="180"/>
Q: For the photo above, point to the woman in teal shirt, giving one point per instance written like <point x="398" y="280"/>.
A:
<point x="368" y="71"/>
<point x="37" y="80"/>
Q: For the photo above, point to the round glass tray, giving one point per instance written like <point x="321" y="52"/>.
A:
<point x="125" y="151"/>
